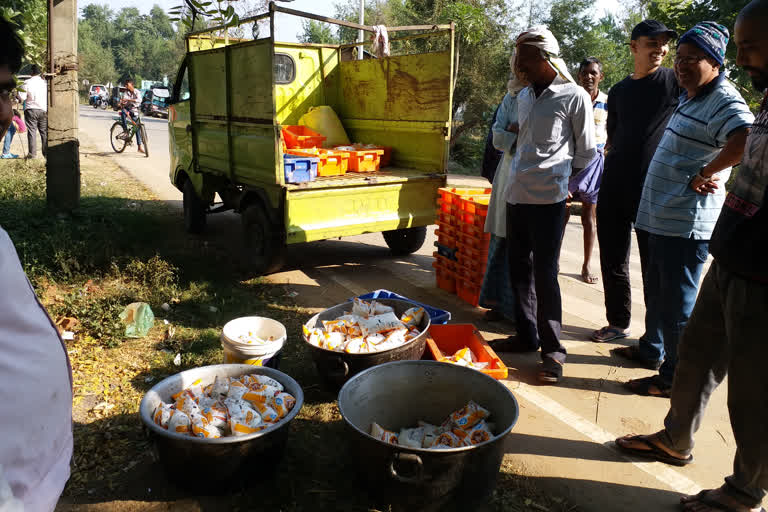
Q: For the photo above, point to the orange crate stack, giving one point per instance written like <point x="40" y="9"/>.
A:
<point x="444" y="273"/>
<point x="472" y="253"/>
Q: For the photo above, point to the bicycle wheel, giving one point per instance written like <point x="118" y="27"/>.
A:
<point x="144" y="139"/>
<point x="117" y="144"/>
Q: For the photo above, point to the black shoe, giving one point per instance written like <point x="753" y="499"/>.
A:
<point x="513" y="344"/>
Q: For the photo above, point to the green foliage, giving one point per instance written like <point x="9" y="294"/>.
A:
<point x="31" y="16"/>
<point x="317" y="32"/>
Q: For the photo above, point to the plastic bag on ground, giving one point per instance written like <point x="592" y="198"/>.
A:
<point x="138" y="318"/>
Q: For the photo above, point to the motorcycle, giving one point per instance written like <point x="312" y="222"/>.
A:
<point x="99" y="102"/>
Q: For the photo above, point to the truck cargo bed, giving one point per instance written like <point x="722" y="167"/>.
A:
<point x="354" y="179"/>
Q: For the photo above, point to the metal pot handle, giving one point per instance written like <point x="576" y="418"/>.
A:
<point x="342" y="371"/>
<point x="411" y="458"/>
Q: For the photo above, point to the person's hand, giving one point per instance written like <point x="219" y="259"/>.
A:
<point x="703" y="186"/>
<point x="513" y="127"/>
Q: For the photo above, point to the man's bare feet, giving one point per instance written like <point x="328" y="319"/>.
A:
<point x="714" y="500"/>
<point x="587" y="276"/>
<point x="141" y="150"/>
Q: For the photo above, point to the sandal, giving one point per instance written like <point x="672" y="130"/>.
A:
<point x="512" y="344"/>
<point x="704" y="498"/>
<point x="653" y="453"/>
<point x="551" y="372"/>
<point x="632" y="353"/>
<point x="649" y="386"/>
<point x="608" y="333"/>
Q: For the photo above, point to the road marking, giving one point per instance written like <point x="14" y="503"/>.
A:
<point x="661" y="472"/>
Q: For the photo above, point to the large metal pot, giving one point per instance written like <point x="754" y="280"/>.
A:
<point x="398" y="395"/>
<point x="217" y="464"/>
<point x="336" y="368"/>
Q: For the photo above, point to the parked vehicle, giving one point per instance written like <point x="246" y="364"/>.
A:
<point x="155" y="102"/>
<point x="115" y="97"/>
<point x="230" y="102"/>
<point x="96" y="95"/>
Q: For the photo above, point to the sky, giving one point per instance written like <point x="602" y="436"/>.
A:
<point x="288" y="27"/>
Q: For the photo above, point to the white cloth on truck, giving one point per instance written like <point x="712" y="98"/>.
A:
<point x="380" y="39"/>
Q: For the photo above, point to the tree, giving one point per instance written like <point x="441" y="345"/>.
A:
<point x="31" y="16"/>
<point x="316" y="32"/>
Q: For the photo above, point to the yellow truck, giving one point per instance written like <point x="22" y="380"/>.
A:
<point x="233" y="95"/>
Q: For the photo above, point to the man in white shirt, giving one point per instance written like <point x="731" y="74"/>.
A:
<point x="556" y="136"/>
<point x="131" y="101"/>
<point x="35" y="377"/>
<point x="36" y="111"/>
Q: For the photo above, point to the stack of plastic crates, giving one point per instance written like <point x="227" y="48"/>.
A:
<point x="472" y="251"/>
<point x="455" y="208"/>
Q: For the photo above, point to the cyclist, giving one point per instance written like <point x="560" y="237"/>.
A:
<point x="130" y="102"/>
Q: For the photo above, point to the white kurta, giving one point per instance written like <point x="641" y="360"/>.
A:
<point x="496" y="222"/>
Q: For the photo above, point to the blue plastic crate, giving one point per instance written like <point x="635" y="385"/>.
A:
<point x="437" y="316"/>
<point x="300" y="169"/>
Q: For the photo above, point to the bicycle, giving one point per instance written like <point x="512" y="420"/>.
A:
<point x="120" y="137"/>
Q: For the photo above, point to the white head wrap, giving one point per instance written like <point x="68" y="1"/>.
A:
<point x="540" y="37"/>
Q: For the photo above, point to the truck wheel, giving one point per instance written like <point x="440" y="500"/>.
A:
<point x="194" y="210"/>
<point x="264" y="247"/>
<point x="405" y="241"/>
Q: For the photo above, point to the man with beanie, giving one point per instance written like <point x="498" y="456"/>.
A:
<point x="638" y="110"/>
<point x="725" y="336"/>
<point x="556" y="137"/>
<point x="682" y="197"/>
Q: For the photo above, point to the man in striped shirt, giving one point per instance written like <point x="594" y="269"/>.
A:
<point x="682" y="197"/>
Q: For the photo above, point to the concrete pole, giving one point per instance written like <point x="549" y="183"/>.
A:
<point x="63" y="156"/>
<point x="361" y="33"/>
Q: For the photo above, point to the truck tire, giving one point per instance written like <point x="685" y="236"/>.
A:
<point x="194" y="210"/>
<point x="264" y="247"/>
<point x="405" y="241"/>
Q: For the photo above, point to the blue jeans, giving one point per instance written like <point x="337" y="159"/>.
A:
<point x="9" y="139"/>
<point x="125" y="125"/>
<point x="674" y="269"/>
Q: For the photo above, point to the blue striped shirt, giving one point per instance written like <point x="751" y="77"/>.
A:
<point x="695" y="135"/>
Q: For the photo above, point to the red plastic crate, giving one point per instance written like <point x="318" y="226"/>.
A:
<point x="450" y="208"/>
<point x="468" y="291"/>
<point x="472" y="263"/>
<point x="452" y="195"/>
<point x="444" y="262"/>
<point x="446" y="340"/>
<point x="471" y="240"/>
<point x="471" y="275"/>
<point x="446" y="240"/>
<point x="297" y="137"/>
<point x="444" y="278"/>
<point x="473" y="254"/>
<point x="475" y="205"/>
<point x="364" y="160"/>
<point x="447" y="228"/>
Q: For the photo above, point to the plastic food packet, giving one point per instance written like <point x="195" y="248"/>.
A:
<point x="179" y="422"/>
<point x="380" y="323"/>
<point x="411" y="437"/>
<point x="447" y="440"/>
<point x="207" y="402"/>
<point x="335" y="326"/>
<point x="187" y="405"/>
<point x="163" y="414"/>
<point x="282" y="403"/>
<point x="266" y="412"/>
<point x="216" y="415"/>
<point x="480" y="433"/>
<point x="412" y="334"/>
<point x="382" y="434"/>
<point x="462" y="435"/>
<point x="413" y="317"/>
<point x="469" y="415"/>
<point x="314" y="336"/>
<point x="209" y="432"/>
<point x="361" y="308"/>
<point x="379" y="309"/>
<point x="261" y="395"/>
<point x="256" y="381"/>
<point x="334" y="341"/>
<point x="375" y="339"/>
<point x="236" y="390"/>
<point x="219" y="388"/>
<point x="356" y="346"/>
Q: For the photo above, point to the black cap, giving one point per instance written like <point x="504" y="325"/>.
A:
<point x="652" y="28"/>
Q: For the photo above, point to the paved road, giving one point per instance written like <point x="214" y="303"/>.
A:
<point x="563" y="437"/>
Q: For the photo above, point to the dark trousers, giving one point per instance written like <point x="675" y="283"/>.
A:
<point x="533" y="239"/>
<point x="614" y="236"/>
<point x="37" y="120"/>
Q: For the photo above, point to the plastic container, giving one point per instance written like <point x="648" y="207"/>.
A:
<point x="475" y="205"/>
<point x="238" y="349"/>
<point x="368" y="160"/>
<point x="446" y="340"/>
<point x="445" y="279"/>
<point x="297" y="137"/>
<point x="330" y="163"/>
<point x="468" y="291"/>
<point x="446" y="240"/>
<point x="474" y="241"/>
<point x="452" y="195"/>
<point x="324" y="120"/>
<point x="473" y="264"/>
<point x="386" y="156"/>
<point x="446" y="228"/>
<point x="300" y="169"/>
<point x="436" y="315"/>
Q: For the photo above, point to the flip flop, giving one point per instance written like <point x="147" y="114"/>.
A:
<point x="655" y="453"/>
<point x="703" y="497"/>
<point x="551" y="371"/>
<point x="633" y="354"/>
<point x="608" y="333"/>
<point x="644" y="386"/>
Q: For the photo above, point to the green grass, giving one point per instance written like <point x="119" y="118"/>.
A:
<point x="124" y="246"/>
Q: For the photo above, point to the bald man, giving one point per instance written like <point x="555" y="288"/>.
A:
<point x="725" y="335"/>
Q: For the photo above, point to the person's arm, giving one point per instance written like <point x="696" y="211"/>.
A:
<point x="503" y="139"/>
<point x="583" y="126"/>
<point x="705" y="182"/>
<point x="612" y="117"/>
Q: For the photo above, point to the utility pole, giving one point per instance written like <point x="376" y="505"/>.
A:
<point x="361" y="33"/>
<point x="62" y="174"/>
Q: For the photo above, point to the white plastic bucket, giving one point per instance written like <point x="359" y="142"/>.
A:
<point x="240" y="344"/>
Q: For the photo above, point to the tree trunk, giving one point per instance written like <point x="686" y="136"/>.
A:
<point x="458" y="131"/>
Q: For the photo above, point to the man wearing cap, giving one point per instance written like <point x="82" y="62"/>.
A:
<point x="556" y="137"/>
<point x="683" y="195"/>
<point x="726" y="332"/>
<point x="638" y="110"/>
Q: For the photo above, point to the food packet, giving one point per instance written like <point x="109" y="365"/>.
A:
<point x="207" y="402"/>
<point x="430" y="433"/>
<point x="334" y="341"/>
<point x="361" y="308"/>
<point x="163" y="414"/>
<point x="236" y="390"/>
<point x="412" y="334"/>
<point x="179" y="422"/>
<point x="447" y="440"/>
<point x="462" y="435"/>
<point x="466" y="417"/>
<point x="382" y="434"/>
<point x="256" y="381"/>
<point x="216" y="415"/>
<point x="208" y="432"/>
<point x="188" y="405"/>
<point x="335" y="326"/>
<point x="413" y="317"/>
<point x="241" y="425"/>
<point x="393" y="339"/>
<point x="194" y="391"/>
<point x="314" y="336"/>
<point x="380" y="323"/>
<point x="375" y="339"/>
<point x="356" y="346"/>
<point x="282" y="403"/>
<point x="480" y="433"/>
<point x="411" y="437"/>
<point x="378" y="308"/>
<point x="236" y="407"/>
<point x="266" y="412"/>
<point x="261" y="394"/>
<point x="219" y="388"/>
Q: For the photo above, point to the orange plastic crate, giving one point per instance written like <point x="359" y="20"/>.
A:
<point x="474" y="254"/>
<point x="367" y="160"/>
<point x="447" y="228"/>
<point x="452" y="195"/>
<point x="446" y="218"/>
<point x="444" y="278"/>
<point x="444" y="262"/>
<point x="473" y="263"/>
<point x="446" y="340"/>
<point x="301" y="137"/>
<point x="332" y="163"/>
<point x="471" y="275"/>
<point x="472" y="240"/>
<point x="446" y="240"/>
<point x="449" y="208"/>
<point x="468" y="291"/>
<point x="386" y="155"/>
